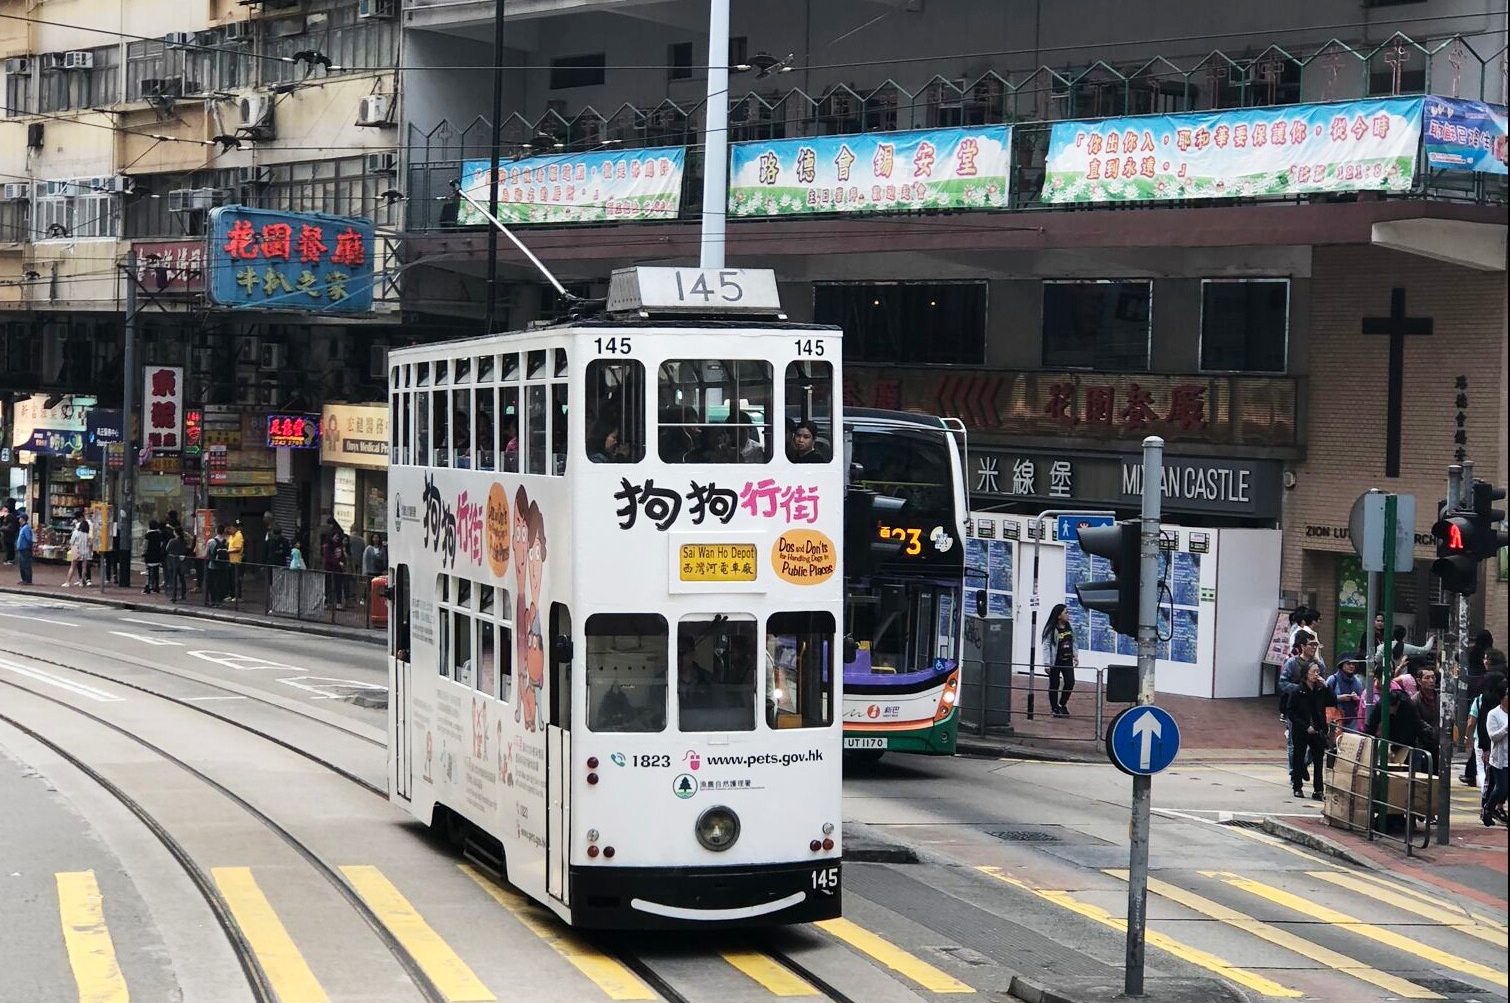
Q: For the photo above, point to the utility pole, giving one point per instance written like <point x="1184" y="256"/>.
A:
<point x="495" y="155"/>
<point x="1148" y="619"/>
<point x="716" y="138"/>
<point x="128" y="410"/>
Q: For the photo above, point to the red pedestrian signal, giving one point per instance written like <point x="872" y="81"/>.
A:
<point x="1455" y="537"/>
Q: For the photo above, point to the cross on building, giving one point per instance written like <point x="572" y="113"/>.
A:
<point x="1397" y="326"/>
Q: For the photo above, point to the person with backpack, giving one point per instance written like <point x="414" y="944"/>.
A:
<point x="154" y="552"/>
<point x="217" y="562"/>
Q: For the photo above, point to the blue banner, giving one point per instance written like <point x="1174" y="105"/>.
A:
<point x="103" y="426"/>
<point x="306" y="262"/>
<point x="1236" y="153"/>
<point x="872" y="172"/>
<point x="1465" y="135"/>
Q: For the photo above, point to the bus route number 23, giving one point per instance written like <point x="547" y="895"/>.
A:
<point x="826" y="879"/>
<point x="911" y="536"/>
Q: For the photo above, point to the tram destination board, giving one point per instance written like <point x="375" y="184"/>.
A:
<point x="718" y="562"/>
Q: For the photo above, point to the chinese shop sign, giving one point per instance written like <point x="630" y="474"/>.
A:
<point x="290" y="261"/>
<point x="194" y="431"/>
<point x="1465" y="135"/>
<point x="354" y="435"/>
<point x="162" y="408"/>
<point x="1236" y="153"/>
<point x="170" y="266"/>
<point x="579" y="188"/>
<point x="1233" y="410"/>
<point x="872" y="172"/>
<point x="293" y="431"/>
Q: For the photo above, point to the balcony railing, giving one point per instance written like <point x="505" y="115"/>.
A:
<point x="1030" y="101"/>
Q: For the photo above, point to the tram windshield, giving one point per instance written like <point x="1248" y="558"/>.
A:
<point x="715" y="673"/>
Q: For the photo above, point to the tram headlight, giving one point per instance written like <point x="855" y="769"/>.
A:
<point x="717" y="828"/>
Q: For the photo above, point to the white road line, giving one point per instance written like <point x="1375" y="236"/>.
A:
<point x="159" y="641"/>
<point x="157" y="623"/>
<point x="200" y="699"/>
<point x="78" y="689"/>
<point x="38" y="619"/>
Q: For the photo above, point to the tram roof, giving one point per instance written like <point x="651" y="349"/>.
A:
<point x="602" y="323"/>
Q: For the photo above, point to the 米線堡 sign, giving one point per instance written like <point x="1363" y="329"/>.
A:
<point x="290" y="261"/>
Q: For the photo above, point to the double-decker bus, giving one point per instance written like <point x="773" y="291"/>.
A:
<point x="616" y="593"/>
<point x="904" y="583"/>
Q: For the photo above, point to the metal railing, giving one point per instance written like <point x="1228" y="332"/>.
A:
<point x="1395" y="804"/>
<point x="1030" y="100"/>
<point x="1006" y="698"/>
<point x="260" y="590"/>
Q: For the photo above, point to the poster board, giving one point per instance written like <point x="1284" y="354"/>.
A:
<point x="100" y="540"/>
<point x="1278" y="651"/>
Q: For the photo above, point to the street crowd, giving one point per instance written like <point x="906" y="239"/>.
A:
<point x="1317" y="706"/>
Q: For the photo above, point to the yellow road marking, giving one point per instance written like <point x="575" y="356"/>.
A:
<point x="1185" y="952"/>
<point x="286" y="968"/>
<point x="1387" y="937"/>
<point x="1264" y="931"/>
<point x="1446" y="917"/>
<point x="893" y="957"/>
<point x="449" y="973"/>
<point x="1482" y="920"/>
<point x="91" y="952"/>
<point x="777" y="980"/>
<point x="608" y="974"/>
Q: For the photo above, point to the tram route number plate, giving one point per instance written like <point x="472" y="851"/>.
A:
<point x="865" y="743"/>
<point x="718" y="562"/>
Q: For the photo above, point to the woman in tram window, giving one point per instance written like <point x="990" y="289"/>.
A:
<point x="603" y="443"/>
<point x="802" y="446"/>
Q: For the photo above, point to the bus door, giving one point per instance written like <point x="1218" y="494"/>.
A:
<point x="398" y="699"/>
<point x="558" y="758"/>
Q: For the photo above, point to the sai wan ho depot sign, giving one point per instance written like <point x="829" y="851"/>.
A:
<point x="1236" y="153"/>
<point x="872" y="172"/>
<point x="621" y="186"/>
<point x="303" y="262"/>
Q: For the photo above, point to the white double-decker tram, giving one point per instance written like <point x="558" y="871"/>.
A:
<point x="616" y="588"/>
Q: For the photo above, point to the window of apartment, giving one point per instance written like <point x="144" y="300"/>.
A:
<point x="217" y="63"/>
<point x="68" y="210"/>
<point x="353" y="44"/>
<point x="148" y="61"/>
<point x="577" y="71"/>
<point x="15" y="220"/>
<point x="18" y="88"/>
<point x="906" y="323"/>
<point x="1102" y="325"/>
<point x="679" y="61"/>
<point x="94" y="86"/>
<point x="1245" y="325"/>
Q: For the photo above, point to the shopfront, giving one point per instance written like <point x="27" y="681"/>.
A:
<point x="354" y="448"/>
<point x="54" y="473"/>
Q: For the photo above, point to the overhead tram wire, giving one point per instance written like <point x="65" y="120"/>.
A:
<point x="1318" y="30"/>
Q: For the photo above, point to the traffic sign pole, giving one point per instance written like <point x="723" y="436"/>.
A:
<point x="1142" y="801"/>
<point x="1387" y="667"/>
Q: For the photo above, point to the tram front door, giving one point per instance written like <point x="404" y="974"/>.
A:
<point x="558" y="758"/>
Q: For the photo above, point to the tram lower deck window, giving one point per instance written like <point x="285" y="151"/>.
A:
<point x="800" y="670"/>
<point x="626" y="670"/>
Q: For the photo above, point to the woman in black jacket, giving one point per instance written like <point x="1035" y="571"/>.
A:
<point x="1306" y="711"/>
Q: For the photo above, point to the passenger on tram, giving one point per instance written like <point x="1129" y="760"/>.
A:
<point x="511" y="444"/>
<point x="802" y="444"/>
<point x="603" y="443"/>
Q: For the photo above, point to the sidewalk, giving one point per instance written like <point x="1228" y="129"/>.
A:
<point x="1245" y="729"/>
<point x="48" y="577"/>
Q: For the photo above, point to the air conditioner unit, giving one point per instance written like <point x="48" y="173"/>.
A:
<point x="374" y="9"/>
<point x="178" y="38"/>
<point x="375" y="109"/>
<point x="78" y="59"/>
<point x="192" y="199"/>
<point x="18" y="64"/>
<point x="53" y="60"/>
<point x="255" y="111"/>
<point x="236" y="31"/>
<point x="273" y="356"/>
<point x="288" y="27"/>
<point x="17" y="191"/>
<point x="251" y="175"/>
<point x="117" y="184"/>
<point x="382" y="163"/>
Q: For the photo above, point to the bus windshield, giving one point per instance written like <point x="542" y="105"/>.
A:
<point x="902" y="464"/>
<point x="902" y="627"/>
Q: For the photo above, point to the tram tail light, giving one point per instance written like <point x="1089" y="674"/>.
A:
<point x="815" y="845"/>
<point x="828" y="844"/>
<point x="949" y="697"/>
<point x="592" y="851"/>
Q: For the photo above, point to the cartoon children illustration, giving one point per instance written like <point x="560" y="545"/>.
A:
<point x="521" y="538"/>
<point x="535" y="665"/>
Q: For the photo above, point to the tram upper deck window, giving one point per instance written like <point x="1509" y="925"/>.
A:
<point x="616" y="416"/>
<point x="799" y="670"/>
<point x="715" y="411"/>
<point x="715" y="673"/>
<point x="810" y="412"/>
<point x="626" y="670"/>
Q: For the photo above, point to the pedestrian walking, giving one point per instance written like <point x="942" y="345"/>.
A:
<point x="154" y="553"/>
<point x="217" y="561"/>
<point x="1498" y="728"/>
<point x="177" y="557"/>
<point x="235" y="551"/>
<point x="79" y="555"/>
<point x="24" y="544"/>
<point x="1347" y="687"/>
<point x="1306" y="712"/>
<point x="1057" y="646"/>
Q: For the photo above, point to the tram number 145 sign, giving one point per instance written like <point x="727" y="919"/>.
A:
<point x="694" y="290"/>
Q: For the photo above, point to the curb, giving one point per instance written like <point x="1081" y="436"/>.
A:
<point x="981" y="747"/>
<point x="193" y="613"/>
<point x="1031" y="992"/>
<point x="1301" y="837"/>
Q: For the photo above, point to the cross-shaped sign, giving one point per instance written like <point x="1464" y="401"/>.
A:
<point x="1397" y="326"/>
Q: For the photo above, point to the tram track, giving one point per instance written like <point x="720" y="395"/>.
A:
<point x="257" y="976"/>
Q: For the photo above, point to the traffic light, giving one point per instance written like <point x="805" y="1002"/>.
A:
<point x="1117" y="596"/>
<point x="1467" y="536"/>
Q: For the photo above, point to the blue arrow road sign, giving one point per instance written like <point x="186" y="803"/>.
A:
<point x="1143" y="740"/>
